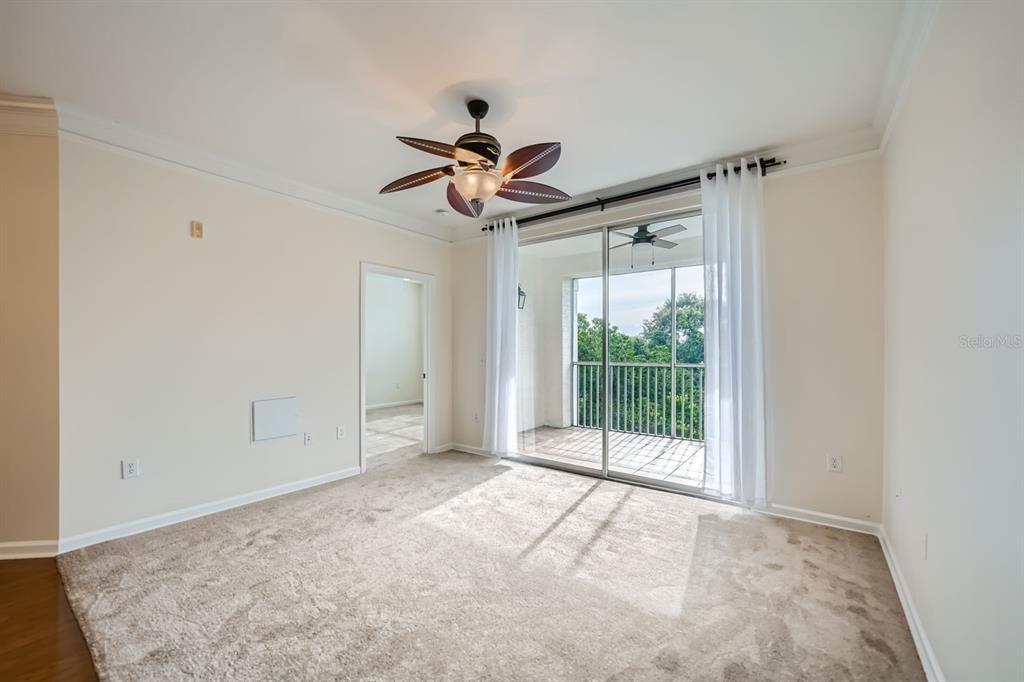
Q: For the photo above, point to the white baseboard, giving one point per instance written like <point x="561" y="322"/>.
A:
<point x="929" y="662"/>
<point x="160" y="520"/>
<point x="459" y="447"/>
<point x="821" y="518"/>
<point x="400" y="403"/>
<point x="470" y="450"/>
<point x="28" y="549"/>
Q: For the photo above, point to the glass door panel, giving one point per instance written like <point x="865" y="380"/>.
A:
<point x="560" y="373"/>
<point x="656" y="352"/>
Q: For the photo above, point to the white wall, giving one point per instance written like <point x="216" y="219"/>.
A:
<point x="546" y="326"/>
<point x="823" y="327"/>
<point x="394" y="341"/>
<point x="530" y="377"/>
<point x="165" y="339"/>
<point x="954" y="271"/>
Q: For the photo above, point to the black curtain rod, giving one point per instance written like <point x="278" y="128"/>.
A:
<point x="601" y="203"/>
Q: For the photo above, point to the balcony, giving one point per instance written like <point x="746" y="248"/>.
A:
<point x="651" y="399"/>
<point x="656" y="427"/>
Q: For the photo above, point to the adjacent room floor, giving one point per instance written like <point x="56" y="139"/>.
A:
<point x="39" y="637"/>
<point x="463" y="567"/>
<point x="393" y="428"/>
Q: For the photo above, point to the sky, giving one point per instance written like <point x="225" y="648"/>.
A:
<point x="633" y="297"/>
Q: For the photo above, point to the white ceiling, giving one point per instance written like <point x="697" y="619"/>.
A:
<point x="316" y="92"/>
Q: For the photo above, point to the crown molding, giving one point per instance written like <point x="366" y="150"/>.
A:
<point x="915" y="26"/>
<point x="825" y="164"/>
<point x="98" y="129"/>
<point x="806" y="156"/>
<point x="27" y="116"/>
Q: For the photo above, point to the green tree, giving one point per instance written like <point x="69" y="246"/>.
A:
<point x="621" y="347"/>
<point x="653" y="343"/>
<point x="635" y="405"/>
<point x="657" y="331"/>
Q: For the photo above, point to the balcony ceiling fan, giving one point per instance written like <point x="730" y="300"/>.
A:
<point x="475" y="178"/>
<point x="655" y="239"/>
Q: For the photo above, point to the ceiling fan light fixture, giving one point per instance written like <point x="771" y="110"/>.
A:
<point x="478" y="185"/>
<point x="474" y="178"/>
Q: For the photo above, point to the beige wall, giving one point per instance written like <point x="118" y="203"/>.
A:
<point x="823" y="327"/>
<point x="28" y="321"/>
<point x="167" y="339"/>
<point x="469" y="269"/>
<point x="823" y="337"/>
<point x="954" y="274"/>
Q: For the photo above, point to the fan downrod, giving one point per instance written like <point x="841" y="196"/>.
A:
<point x="483" y="144"/>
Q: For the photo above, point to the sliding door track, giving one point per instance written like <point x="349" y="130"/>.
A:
<point x="628" y="479"/>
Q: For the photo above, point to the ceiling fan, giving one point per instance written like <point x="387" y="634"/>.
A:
<point x="654" y="239"/>
<point x="475" y="178"/>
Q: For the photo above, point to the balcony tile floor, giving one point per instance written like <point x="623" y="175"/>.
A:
<point x="673" y="460"/>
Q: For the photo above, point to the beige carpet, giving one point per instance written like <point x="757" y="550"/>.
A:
<point x="462" y="568"/>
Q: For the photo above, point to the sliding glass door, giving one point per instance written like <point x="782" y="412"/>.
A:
<point x="623" y="400"/>
<point x="550" y="340"/>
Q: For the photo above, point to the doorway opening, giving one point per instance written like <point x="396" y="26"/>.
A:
<point x="395" y="356"/>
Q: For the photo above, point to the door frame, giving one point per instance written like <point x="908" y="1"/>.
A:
<point x="428" y="302"/>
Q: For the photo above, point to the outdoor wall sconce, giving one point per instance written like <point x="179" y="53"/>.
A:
<point x="522" y="298"/>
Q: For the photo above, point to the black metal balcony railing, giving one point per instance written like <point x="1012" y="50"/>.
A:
<point x="645" y="398"/>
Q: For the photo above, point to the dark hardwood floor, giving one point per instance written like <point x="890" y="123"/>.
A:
<point x="39" y="636"/>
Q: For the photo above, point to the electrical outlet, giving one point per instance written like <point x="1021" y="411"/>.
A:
<point x="340" y="433"/>
<point x="196" y="229"/>
<point x="834" y="463"/>
<point x="307" y="438"/>
<point x="476" y="417"/>
<point x="129" y="468"/>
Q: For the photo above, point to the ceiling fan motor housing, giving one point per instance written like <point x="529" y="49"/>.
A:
<point x="483" y="144"/>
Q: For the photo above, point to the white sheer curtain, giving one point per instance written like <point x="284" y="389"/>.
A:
<point x="735" y="459"/>
<point x="500" y="432"/>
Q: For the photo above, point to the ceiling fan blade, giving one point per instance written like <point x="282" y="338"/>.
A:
<point x="416" y="179"/>
<point x="531" y="192"/>
<point x="671" y="229"/>
<point x="444" y="149"/>
<point x="619" y="246"/>
<point x="665" y="244"/>
<point x="533" y="160"/>
<point x="623" y="235"/>
<point x="470" y="209"/>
